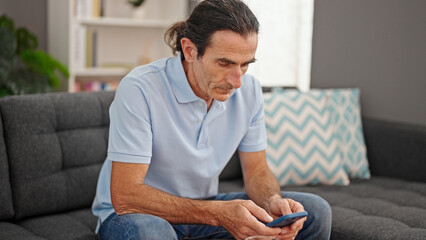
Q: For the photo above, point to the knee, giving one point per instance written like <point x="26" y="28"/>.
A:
<point x="155" y="228"/>
<point x="148" y="227"/>
<point x="320" y="210"/>
<point x="318" y="223"/>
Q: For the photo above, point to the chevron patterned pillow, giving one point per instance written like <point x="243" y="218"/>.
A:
<point x="346" y="117"/>
<point x="302" y="147"/>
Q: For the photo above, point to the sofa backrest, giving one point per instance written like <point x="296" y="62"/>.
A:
<point x="56" y="144"/>
<point x="396" y="149"/>
<point x="232" y="170"/>
<point x="6" y="206"/>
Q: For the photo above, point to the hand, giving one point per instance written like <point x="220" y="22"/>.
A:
<point x="242" y="219"/>
<point x="278" y="207"/>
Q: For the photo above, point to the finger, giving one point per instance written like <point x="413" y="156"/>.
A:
<point x="267" y="231"/>
<point x="290" y="234"/>
<point x="296" y="206"/>
<point x="262" y="229"/>
<point x="259" y="212"/>
<point x="285" y="207"/>
<point x="285" y="230"/>
<point x="298" y="224"/>
<point x="299" y="208"/>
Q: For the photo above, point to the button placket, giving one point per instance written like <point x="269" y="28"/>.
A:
<point x="201" y="115"/>
<point x="215" y="111"/>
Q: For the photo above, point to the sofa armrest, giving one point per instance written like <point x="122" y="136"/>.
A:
<point x="396" y="149"/>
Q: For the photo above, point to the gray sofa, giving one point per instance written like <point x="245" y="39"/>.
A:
<point x="53" y="145"/>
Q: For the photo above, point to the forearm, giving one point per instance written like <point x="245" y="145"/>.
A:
<point x="129" y="194"/>
<point x="148" y="200"/>
<point x="262" y="186"/>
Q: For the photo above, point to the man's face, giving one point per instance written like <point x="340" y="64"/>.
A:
<point x="218" y="72"/>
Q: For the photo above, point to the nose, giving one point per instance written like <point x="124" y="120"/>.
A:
<point x="234" y="78"/>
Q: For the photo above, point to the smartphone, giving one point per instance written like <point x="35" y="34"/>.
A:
<point x="287" y="219"/>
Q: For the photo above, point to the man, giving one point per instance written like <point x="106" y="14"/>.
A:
<point x="174" y="125"/>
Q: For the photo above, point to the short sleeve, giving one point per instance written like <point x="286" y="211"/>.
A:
<point x="130" y="137"/>
<point x="255" y="137"/>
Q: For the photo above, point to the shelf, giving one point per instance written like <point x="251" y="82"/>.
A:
<point x="114" y="43"/>
<point x="123" y="22"/>
<point x="101" y="72"/>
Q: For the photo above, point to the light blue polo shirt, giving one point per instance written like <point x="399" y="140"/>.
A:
<point x="157" y="119"/>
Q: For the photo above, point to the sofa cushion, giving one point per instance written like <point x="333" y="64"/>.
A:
<point x="6" y="206"/>
<point x="302" y="147"/>
<point x="345" y="113"/>
<point x="10" y="231"/>
<point x="56" y="145"/>
<point x="78" y="224"/>
<point x="379" y="208"/>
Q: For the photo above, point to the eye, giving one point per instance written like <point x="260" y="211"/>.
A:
<point x="223" y="64"/>
<point x="245" y="66"/>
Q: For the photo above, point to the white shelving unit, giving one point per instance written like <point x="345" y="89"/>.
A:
<point x="103" y="49"/>
<point x="122" y="22"/>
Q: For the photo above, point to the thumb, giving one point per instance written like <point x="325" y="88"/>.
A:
<point x="260" y="213"/>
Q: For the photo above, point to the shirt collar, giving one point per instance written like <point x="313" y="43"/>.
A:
<point x="180" y="85"/>
<point x="179" y="82"/>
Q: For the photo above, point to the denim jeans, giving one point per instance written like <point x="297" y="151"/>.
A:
<point x="141" y="226"/>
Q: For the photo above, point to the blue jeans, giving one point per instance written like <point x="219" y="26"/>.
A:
<point x="141" y="226"/>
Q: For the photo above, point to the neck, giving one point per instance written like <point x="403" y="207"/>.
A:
<point x="192" y="80"/>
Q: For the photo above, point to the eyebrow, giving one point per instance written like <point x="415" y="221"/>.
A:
<point x="226" y="60"/>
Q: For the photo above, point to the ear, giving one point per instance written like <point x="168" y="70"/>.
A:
<point x="189" y="49"/>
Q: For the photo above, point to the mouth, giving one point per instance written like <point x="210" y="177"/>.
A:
<point x="226" y="91"/>
<point x="226" y="88"/>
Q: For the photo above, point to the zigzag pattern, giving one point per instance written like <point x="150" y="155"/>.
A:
<point x="346" y="115"/>
<point x="302" y="147"/>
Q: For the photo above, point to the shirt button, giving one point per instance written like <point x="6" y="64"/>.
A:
<point x="200" y="104"/>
